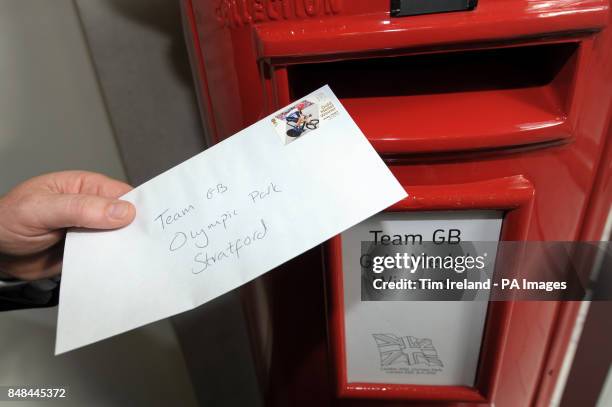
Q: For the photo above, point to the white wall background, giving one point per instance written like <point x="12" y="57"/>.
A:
<point x="139" y="53"/>
<point x="53" y="117"/>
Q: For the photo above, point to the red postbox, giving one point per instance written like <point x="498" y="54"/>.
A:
<point x="493" y="112"/>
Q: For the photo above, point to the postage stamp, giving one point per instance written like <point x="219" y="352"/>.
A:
<point x="303" y="117"/>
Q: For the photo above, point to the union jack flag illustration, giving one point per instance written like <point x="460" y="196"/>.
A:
<point x="407" y="350"/>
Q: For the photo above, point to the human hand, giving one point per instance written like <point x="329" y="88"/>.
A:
<point x="35" y="214"/>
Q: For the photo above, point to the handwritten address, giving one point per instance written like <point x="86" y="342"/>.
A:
<point x="212" y="241"/>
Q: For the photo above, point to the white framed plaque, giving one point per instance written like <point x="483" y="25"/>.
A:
<point x="414" y="342"/>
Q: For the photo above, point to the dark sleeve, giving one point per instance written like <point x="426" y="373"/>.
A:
<point x="34" y="294"/>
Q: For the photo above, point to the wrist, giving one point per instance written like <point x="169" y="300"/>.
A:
<point x="31" y="267"/>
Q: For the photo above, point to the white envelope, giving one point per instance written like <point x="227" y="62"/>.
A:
<point x="222" y="218"/>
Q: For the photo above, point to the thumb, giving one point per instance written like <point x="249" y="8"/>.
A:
<point x="88" y="211"/>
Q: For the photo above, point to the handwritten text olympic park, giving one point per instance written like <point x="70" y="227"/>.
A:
<point x="216" y="228"/>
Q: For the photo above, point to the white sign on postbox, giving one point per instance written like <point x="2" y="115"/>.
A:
<point x="414" y="341"/>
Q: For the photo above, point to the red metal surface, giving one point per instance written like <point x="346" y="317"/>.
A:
<point x="195" y="57"/>
<point x="538" y="115"/>
<point x="371" y="29"/>
<point x="594" y="222"/>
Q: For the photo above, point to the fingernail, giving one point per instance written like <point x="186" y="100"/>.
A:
<point x="118" y="210"/>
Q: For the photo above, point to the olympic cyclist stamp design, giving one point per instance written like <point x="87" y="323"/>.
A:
<point x="303" y="117"/>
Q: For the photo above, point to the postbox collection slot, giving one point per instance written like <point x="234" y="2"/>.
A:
<point x="402" y="8"/>
<point x="452" y="100"/>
